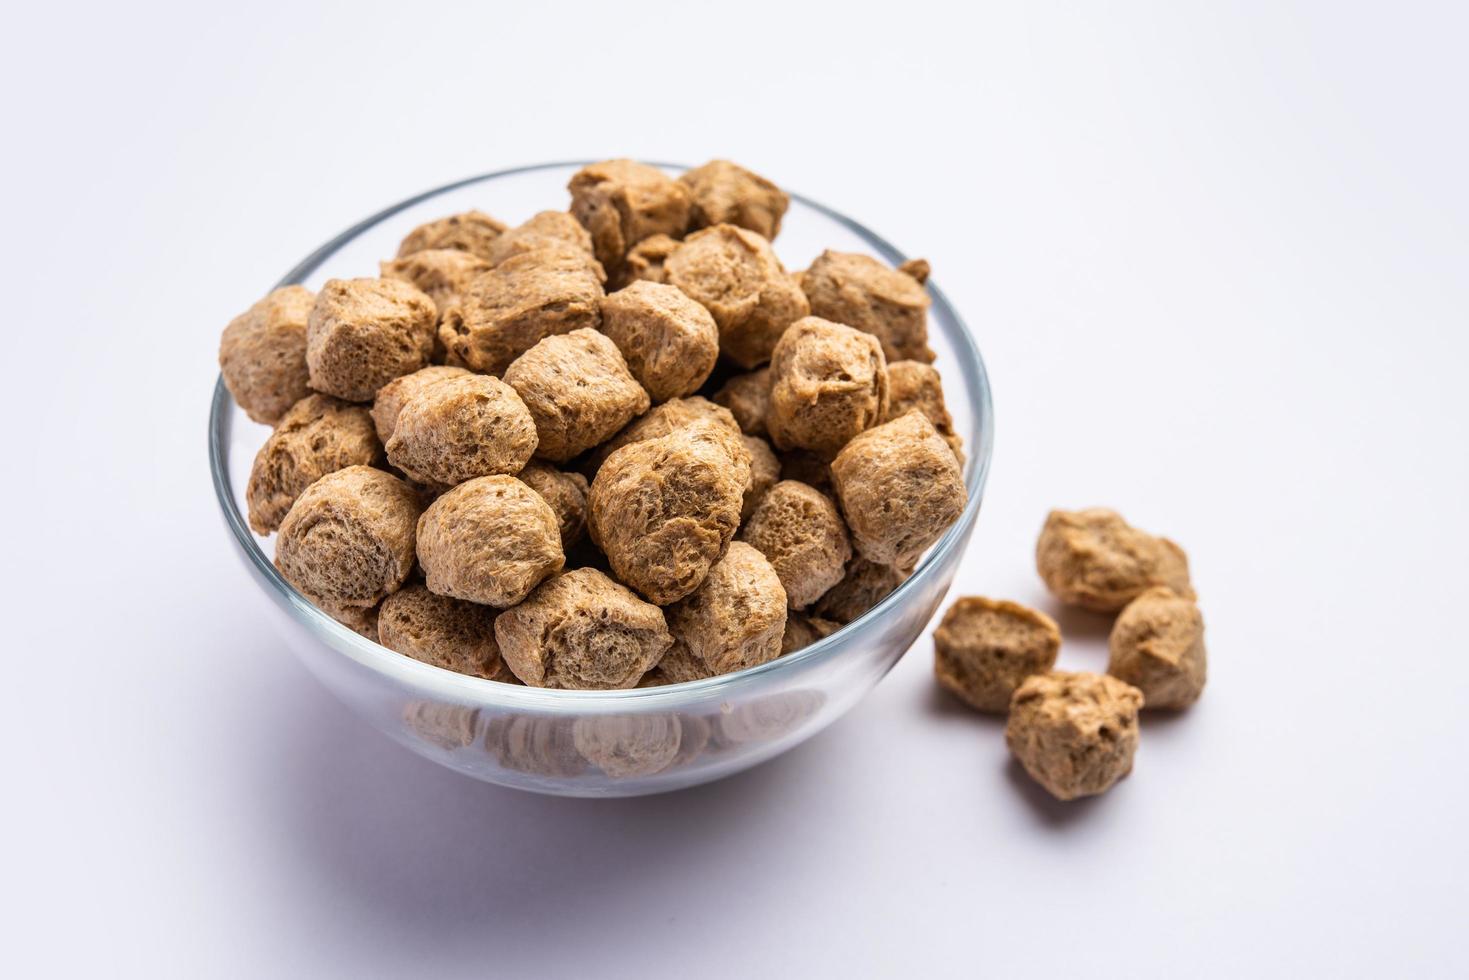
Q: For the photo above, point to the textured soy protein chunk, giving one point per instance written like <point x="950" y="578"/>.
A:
<point x="489" y="540"/>
<point x="349" y="539"/>
<point x="645" y="261"/>
<point x="360" y="620"/>
<point x="801" y="631"/>
<point x="747" y="396"/>
<point x="913" y="384"/>
<point x="864" y="585"/>
<point x="861" y="292"/>
<point x="441" y="274"/>
<point x="985" y="648"/>
<point x="1074" y="733"/>
<point x="736" y="276"/>
<point x="1095" y="559"/>
<point x="363" y="333"/>
<point x="726" y="193"/>
<point x="809" y="468"/>
<point x="664" y="510"/>
<point x="735" y="619"/>
<point x="442" y="632"/>
<point x="578" y="390"/>
<point x="828" y="383"/>
<point x="262" y="354"/>
<point x="462" y="427"/>
<point x="1157" y="646"/>
<point x="472" y="232"/>
<point x="567" y="495"/>
<point x="392" y="396"/>
<point x="622" y="202"/>
<point x="523" y="300"/>
<point x="317" y="436"/>
<point x="553" y="234"/>
<point x="540" y="745"/>
<point x="917" y="268"/>
<point x="900" y="489"/>
<point x="626" y="746"/>
<point x="797" y="528"/>
<point x="582" y="631"/>
<point x="672" y="415"/>
<point x="669" y="341"/>
<point x="764" y="474"/>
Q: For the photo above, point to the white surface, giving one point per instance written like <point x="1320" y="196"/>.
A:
<point x="1217" y="262"/>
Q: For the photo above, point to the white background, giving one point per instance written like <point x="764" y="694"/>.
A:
<point x="1217" y="258"/>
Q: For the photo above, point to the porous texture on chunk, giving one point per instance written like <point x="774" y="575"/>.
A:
<point x="861" y="292"/>
<point x="627" y="746"/>
<point x="801" y="631"/>
<point x="764" y="474"/>
<point x="442" y="274"/>
<point x="899" y="488"/>
<point x="913" y="384"/>
<point x="459" y="428"/>
<point x="622" y="202"/>
<point x="1074" y="733"/>
<point x="828" y="383"/>
<point x="348" y="540"/>
<point x="864" y="586"/>
<point x="447" y="726"/>
<point x="442" y="632"/>
<point x="736" y="276"/>
<point x="262" y="354"/>
<point x="317" y="436"/>
<point x="735" y="619"/>
<point x="392" y="396"/>
<point x="363" y="333"/>
<point x="747" y="396"/>
<point x="726" y="193"/>
<point x="489" y="540"/>
<point x="567" y="495"/>
<point x="806" y="466"/>
<point x="556" y="235"/>
<point x="1157" y="646"/>
<point x="472" y="232"/>
<point x="644" y="262"/>
<point x="1094" y="559"/>
<point x="664" y="510"/>
<point x="359" y="619"/>
<point x="578" y="390"/>
<point x="539" y="745"/>
<point x="582" y="631"/>
<point x="669" y="341"/>
<point x="798" y="530"/>
<point x="985" y="648"/>
<point x="671" y="416"/>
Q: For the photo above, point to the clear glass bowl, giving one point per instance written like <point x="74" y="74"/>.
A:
<point x="605" y="743"/>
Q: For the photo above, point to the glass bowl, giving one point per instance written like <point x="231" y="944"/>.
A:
<point x="604" y="743"/>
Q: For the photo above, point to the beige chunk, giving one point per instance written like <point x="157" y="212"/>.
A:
<point x="828" y="383"/>
<point x="735" y="619"/>
<point x="392" y="396"/>
<point x="348" y="540"/>
<point x="442" y="632"/>
<point x="801" y="631"/>
<point x="747" y="396"/>
<point x="262" y="354"/>
<point x="807" y="467"/>
<point x="578" y="390"/>
<point x="539" y="745"/>
<point x="1096" y="560"/>
<point x="442" y="274"/>
<point x="913" y="384"/>
<point x="622" y="202"/>
<point x="567" y="495"/>
<point x="985" y="648"/>
<point x="645" y="261"/>
<point x="664" y="510"/>
<point x="556" y="236"/>
<point x="864" y="586"/>
<point x="472" y="232"/>
<point x="317" y="436"/>
<point x="764" y="474"/>
<point x="736" y="276"/>
<point x="363" y="333"/>
<point x="628" y="746"/>
<point x="861" y="292"/>
<point x="582" y="631"/>
<point x="669" y="341"/>
<point x="797" y="528"/>
<point x="1158" y="647"/>
<point x="900" y="489"/>
<point x="446" y="726"/>
<point x="360" y="620"/>
<point x="671" y="416"/>
<point x="726" y="193"/>
<point x="490" y="540"/>
<point x="1074" y="733"/>
<point x="917" y="268"/>
<point x="459" y="428"/>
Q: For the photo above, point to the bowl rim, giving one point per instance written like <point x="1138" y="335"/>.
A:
<point x="479" y="691"/>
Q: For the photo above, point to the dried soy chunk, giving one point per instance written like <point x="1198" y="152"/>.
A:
<point x="919" y="269"/>
<point x="539" y="745"/>
<point x="900" y="488"/>
<point x="801" y="631"/>
<point x="567" y="495"/>
<point x="913" y="384"/>
<point x="1157" y="646"/>
<point x="645" y="261"/>
<point x="360" y="620"/>
<point x="735" y="619"/>
<point x="764" y="474"/>
<point x="622" y="202"/>
<point x="555" y="235"/>
<point x="462" y="427"/>
<point x="864" y="585"/>
<point x="736" y="276"/>
<point x="349" y="539"/>
<point x="807" y="467"/>
<point x="828" y="383"/>
<point x="578" y="390"/>
<point x="446" y="726"/>
<point x="441" y="274"/>
<point x="489" y="540"/>
<point x="861" y="292"/>
<point x="520" y="302"/>
<point x="1074" y="733"/>
<point x="726" y="193"/>
<point x="747" y="396"/>
<point x="363" y="333"/>
<point x="1095" y="559"/>
<point x="669" y="341"/>
<point x="627" y="746"/>
<point x="797" y="528"/>
<point x="582" y="631"/>
<point x="664" y="510"/>
<point x="472" y="232"/>
<point x="317" y="436"/>
<point x="671" y="416"/>
<point x="985" y="648"/>
<point x="392" y="396"/>
<point x="262" y="354"/>
<point x="442" y="632"/>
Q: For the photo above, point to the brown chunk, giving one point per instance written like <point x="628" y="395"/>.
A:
<point x="913" y="384"/>
<point x="764" y="474"/>
<point x="861" y="292"/>
<point x="669" y="341"/>
<point x="1158" y="647"/>
<point x="540" y="745"/>
<point x="442" y="632"/>
<point x="627" y="746"/>
<point x="671" y="416"/>
<point x="1096" y="560"/>
<point x="985" y="648"/>
<point x="645" y="261"/>
<point x="622" y="202"/>
<point x="798" y="529"/>
<point x="726" y="193"/>
<point x="807" y="467"/>
<point x="917" y="268"/>
<point x="459" y="428"/>
<point x="392" y="396"/>
<point x="446" y="726"/>
<point x="747" y="396"/>
<point x="567" y="495"/>
<point x="1074" y="733"/>
<point x="363" y="333"/>
<point x="828" y="383"/>
<point x="801" y="631"/>
<point x="490" y="540"/>
<point x="472" y="232"/>
<point x="319" y="435"/>
<point x="360" y="620"/>
<point x="864" y="586"/>
<point x="556" y="236"/>
<point x="733" y="620"/>
<point x="442" y="274"/>
<point x="262" y="354"/>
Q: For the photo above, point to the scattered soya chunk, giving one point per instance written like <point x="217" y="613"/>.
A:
<point x="1096" y="560"/>
<point x="1074" y="733"/>
<point x="984" y="649"/>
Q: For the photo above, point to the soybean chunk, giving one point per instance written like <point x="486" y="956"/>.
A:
<point x="442" y="632"/>
<point x="317" y="436"/>
<point x="472" y="232"/>
<point x="802" y="631"/>
<point x="1074" y="733"/>
<point x="363" y="333"/>
<point x="489" y="540"/>
<point x="913" y="384"/>
<point x="864" y="586"/>
<point x="645" y="261"/>
<point x="669" y="341"/>
<point x="797" y="528"/>
<point x="1157" y="646"/>
<point x="567" y="495"/>
<point x="985" y="648"/>
<point x="262" y="354"/>
<point x="672" y="415"/>
<point x="556" y="236"/>
<point x="392" y="396"/>
<point x="462" y="427"/>
<point x="622" y="202"/>
<point x="828" y="383"/>
<point x="747" y="396"/>
<point x="442" y="274"/>
<point x="726" y="193"/>
<point x="578" y="390"/>
<point x="1095" y="559"/>
<point x="735" y="619"/>
<point x="861" y="292"/>
<point x="764" y="474"/>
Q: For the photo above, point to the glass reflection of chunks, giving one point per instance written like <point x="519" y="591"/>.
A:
<point x="447" y="726"/>
<point x="767" y="719"/>
<point x="627" y="746"/>
<point x="538" y="745"/>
